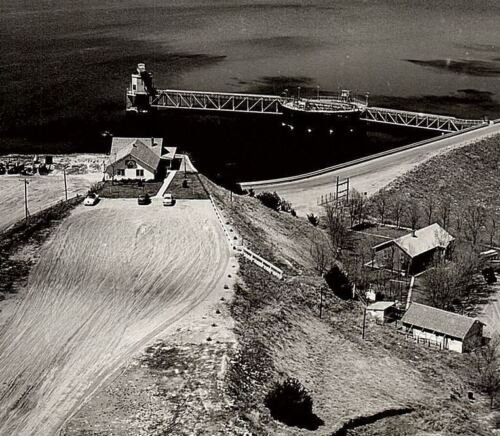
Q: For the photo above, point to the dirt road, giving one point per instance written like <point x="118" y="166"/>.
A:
<point x="111" y="278"/>
<point x="368" y="176"/>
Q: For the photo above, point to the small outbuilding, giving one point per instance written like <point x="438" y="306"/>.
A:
<point x="443" y="329"/>
<point x="412" y="253"/>
<point x="381" y="311"/>
<point x="138" y="158"/>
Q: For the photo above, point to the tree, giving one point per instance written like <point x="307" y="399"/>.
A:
<point x="397" y="210"/>
<point x="492" y="228"/>
<point x="447" y="284"/>
<point x="429" y="208"/>
<point x="474" y="219"/>
<point x="338" y="282"/>
<point x="357" y="207"/>
<point x="336" y="229"/>
<point x="444" y="212"/>
<point x="320" y="253"/>
<point x="486" y="369"/>
<point x="381" y="204"/>
<point x="413" y="214"/>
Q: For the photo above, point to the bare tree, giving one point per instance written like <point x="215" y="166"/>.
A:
<point x="320" y="252"/>
<point x="397" y="210"/>
<point x="444" y="212"/>
<point x="486" y="369"/>
<point x="336" y="229"/>
<point x="381" y="200"/>
<point x="474" y="219"/>
<point x="492" y="227"/>
<point x="413" y="214"/>
<point x="429" y="208"/>
<point x="357" y="207"/>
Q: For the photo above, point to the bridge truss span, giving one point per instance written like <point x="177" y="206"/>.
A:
<point x="420" y="120"/>
<point x="217" y="101"/>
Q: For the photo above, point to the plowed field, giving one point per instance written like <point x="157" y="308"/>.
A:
<point x="111" y="278"/>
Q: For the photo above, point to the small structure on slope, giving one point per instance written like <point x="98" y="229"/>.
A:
<point x="138" y="158"/>
<point x="446" y="330"/>
<point x="381" y="311"/>
<point x="412" y="253"/>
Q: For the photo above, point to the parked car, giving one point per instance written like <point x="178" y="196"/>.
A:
<point x="143" y="199"/>
<point x="168" y="199"/>
<point x="91" y="199"/>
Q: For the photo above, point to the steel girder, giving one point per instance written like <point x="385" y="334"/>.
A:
<point x="419" y="120"/>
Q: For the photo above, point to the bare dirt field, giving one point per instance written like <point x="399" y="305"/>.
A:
<point x="111" y="279"/>
<point x="44" y="191"/>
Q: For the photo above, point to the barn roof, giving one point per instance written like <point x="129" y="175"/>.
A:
<point x="146" y="150"/>
<point x="423" y="241"/>
<point x="438" y="320"/>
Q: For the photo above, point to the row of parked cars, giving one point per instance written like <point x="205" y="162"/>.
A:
<point x="144" y="199"/>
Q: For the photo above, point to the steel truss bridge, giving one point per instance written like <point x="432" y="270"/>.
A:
<point x="271" y="104"/>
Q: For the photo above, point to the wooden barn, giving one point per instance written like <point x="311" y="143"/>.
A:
<point x="414" y="252"/>
<point x="446" y="330"/>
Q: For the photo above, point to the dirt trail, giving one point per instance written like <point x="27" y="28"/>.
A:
<point x="111" y="279"/>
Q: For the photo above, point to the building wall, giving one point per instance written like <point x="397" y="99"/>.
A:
<point x="445" y="342"/>
<point x="377" y="315"/>
<point x="129" y="171"/>
<point x="474" y="337"/>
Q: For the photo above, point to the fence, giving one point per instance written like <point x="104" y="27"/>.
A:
<point x="239" y="248"/>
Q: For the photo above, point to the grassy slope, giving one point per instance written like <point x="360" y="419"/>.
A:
<point x="281" y="334"/>
<point x="470" y="173"/>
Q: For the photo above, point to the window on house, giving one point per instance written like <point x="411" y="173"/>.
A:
<point x="139" y="173"/>
<point x="120" y="172"/>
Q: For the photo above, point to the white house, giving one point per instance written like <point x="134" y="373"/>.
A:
<point x="447" y="330"/>
<point x="137" y="158"/>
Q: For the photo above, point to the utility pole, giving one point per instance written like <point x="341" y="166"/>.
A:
<point x="321" y="302"/>
<point x="26" y="183"/>
<point x="65" y="185"/>
<point x="364" y="323"/>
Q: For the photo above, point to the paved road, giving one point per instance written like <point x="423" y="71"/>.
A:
<point x="368" y="176"/>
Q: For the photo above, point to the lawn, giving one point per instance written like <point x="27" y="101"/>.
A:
<point x="128" y="190"/>
<point x="194" y="190"/>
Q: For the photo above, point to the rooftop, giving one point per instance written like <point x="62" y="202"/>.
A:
<point x="147" y="150"/>
<point x="438" y="320"/>
<point x="421" y="241"/>
<point x="380" y="305"/>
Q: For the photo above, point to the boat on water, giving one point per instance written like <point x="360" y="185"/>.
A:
<point x="323" y="115"/>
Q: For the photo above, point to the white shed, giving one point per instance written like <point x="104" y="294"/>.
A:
<point x="381" y="310"/>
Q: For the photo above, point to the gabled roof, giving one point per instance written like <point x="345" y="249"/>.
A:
<point x="424" y="240"/>
<point x="437" y="320"/>
<point x="148" y="151"/>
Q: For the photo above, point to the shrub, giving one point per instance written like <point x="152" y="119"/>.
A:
<point x="270" y="199"/>
<point x="286" y="206"/>
<point x="338" y="282"/>
<point x="185" y="183"/>
<point x="251" y="192"/>
<point x="292" y="212"/>
<point x="313" y="219"/>
<point x="290" y="403"/>
<point x="489" y="275"/>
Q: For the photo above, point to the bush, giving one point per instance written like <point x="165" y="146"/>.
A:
<point x="489" y="275"/>
<point x="185" y="183"/>
<point x="270" y="199"/>
<point x="290" y="403"/>
<point x="338" y="282"/>
<point x="313" y="219"/>
<point x="251" y="192"/>
<point x="292" y="212"/>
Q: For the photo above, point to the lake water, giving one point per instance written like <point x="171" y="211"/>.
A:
<point x="65" y="65"/>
